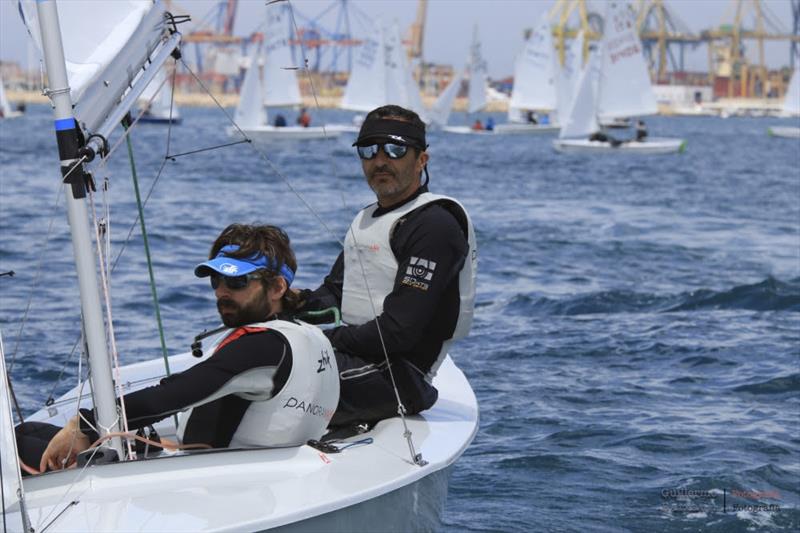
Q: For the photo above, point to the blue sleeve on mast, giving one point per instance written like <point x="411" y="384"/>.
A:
<point x="65" y="124"/>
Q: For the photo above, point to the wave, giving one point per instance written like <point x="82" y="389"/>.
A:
<point x="779" y="385"/>
<point x="768" y="295"/>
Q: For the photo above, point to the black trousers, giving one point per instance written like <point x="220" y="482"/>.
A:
<point x="367" y="394"/>
<point x="32" y="441"/>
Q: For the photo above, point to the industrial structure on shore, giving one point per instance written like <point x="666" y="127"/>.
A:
<point x="218" y="56"/>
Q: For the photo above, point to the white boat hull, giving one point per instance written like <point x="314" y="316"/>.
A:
<point x="372" y="486"/>
<point x="785" y="131"/>
<point x="264" y="134"/>
<point x="651" y="146"/>
<point x="343" y="128"/>
<point x="466" y="130"/>
<point x="526" y="129"/>
<point x="11" y="114"/>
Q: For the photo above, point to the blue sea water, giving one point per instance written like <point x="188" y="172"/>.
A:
<point x="636" y="348"/>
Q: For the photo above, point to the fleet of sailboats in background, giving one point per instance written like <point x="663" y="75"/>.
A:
<point x="791" y="107"/>
<point x="271" y="81"/>
<point x="381" y="75"/>
<point x="614" y="84"/>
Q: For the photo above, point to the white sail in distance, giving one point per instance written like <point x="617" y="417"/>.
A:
<point x="157" y="97"/>
<point x="401" y="89"/>
<point x="582" y="118"/>
<point x="366" y="86"/>
<point x="625" y="89"/>
<point x="791" y="102"/>
<point x="477" y="75"/>
<point x="569" y="75"/>
<point x="439" y="114"/>
<point x="280" y="72"/>
<point x="535" y="71"/>
<point x="251" y="113"/>
<point x="5" y="106"/>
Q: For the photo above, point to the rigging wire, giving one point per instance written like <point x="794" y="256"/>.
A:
<point x="105" y="283"/>
<point x="401" y="410"/>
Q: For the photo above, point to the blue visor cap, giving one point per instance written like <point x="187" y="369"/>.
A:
<point x="239" y="266"/>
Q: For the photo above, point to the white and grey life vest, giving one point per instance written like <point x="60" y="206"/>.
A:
<point x="302" y="409"/>
<point x="370" y="267"/>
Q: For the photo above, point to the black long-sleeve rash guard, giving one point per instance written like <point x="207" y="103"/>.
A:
<point x="414" y="322"/>
<point x="213" y="422"/>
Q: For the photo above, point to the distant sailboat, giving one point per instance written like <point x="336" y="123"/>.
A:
<point x="614" y="84"/>
<point x="6" y="111"/>
<point x="276" y="87"/>
<point x="791" y="107"/>
<point x="476" y="91"/>
<point x="380" y="75"/>
<point x="535" y="85"/>
<point x="157" y="102"/>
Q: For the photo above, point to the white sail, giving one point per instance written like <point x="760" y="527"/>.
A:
<point x="569" y="75"/>
<point x="477" y="75"/>
<point x="414" y="97"/>
<point x="440" y="112"/>
<point x="5" y="106"/>
<point x="401" y="89"/>
<point x="251" y="113"/>
<point x="157" y="98"/>
<point x="582" y="119"/>
<point x="366" y="86"/>
<point x="535" y="71"/>
<point x="90" y="43"/>
<point x="280" y="72"/>
<point x="625" y="89"/>
<point x="791" y="102"/>
<point x="10" y="480"/>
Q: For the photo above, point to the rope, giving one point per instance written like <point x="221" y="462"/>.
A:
<point x="103" y="249"/>
<point x="146" y="242"/>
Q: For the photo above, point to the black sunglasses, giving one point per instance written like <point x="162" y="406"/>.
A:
<point x="393" y="151"/>
<point x="234" y="283"/>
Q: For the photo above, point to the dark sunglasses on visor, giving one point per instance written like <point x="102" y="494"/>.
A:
<point x="234" y="283"/>
<point x="393" y="151"/>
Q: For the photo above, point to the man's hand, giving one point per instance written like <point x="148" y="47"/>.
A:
<point x="64" y="447"/>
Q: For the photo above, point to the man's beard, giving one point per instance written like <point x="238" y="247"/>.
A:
<point x="234" y="315"/>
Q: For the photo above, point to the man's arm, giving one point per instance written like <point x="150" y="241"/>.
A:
<point x="329" y="294"/>
<point x="430" y="248"/>
<point x="201" y="382"/>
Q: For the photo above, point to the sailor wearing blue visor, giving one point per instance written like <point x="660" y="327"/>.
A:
<point x="248" y="388"/>
<point x="238" y="300"/>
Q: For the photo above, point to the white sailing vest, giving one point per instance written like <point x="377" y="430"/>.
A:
<point x="302" y="409"/>
<point x="370" y="267"/>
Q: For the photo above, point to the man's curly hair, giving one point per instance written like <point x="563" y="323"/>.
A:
<point x="268" y="240"/>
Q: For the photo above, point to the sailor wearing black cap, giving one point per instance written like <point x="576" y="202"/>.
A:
<point x="405" y="281"/>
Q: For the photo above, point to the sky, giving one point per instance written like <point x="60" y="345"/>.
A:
<point x="449" y="26"/>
